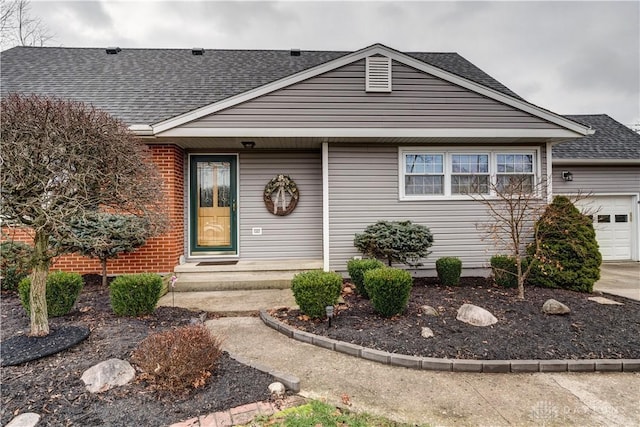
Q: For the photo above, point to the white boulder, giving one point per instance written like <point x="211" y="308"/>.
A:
<point x="476" y="316"/>
<point x="108" y="374"/>
<point x="552" y="306"/>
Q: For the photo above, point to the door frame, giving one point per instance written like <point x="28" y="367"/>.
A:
<point x="192" y="250"/>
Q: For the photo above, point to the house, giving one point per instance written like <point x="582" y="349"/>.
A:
<point x="605" y="166"/>
<point x="366" y="135"/>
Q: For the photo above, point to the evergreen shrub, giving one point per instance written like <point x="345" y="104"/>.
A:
<point x="63" y="290"/>
<point x="14" y="264"/>
<point x="135" y="294"/>
<point x="389" y="290"/>
<point x="449" y="270"/>
<point x="396" y="241"/>
<point x="315" y="290"/>
<point x="504" y="271"/>
<point x="569" y="257"/>
<point x="357" y="267"/>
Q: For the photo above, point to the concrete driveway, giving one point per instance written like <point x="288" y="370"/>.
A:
<point x="620" y="278"/>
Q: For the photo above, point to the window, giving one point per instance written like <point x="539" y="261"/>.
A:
<point x="515" y="171"/>
<point x="469" y="173"/>
<point x="427" y="174"/>
<point x="424" y="174"/>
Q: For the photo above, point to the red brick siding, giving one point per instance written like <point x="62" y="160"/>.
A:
<point x="160" y="254"/>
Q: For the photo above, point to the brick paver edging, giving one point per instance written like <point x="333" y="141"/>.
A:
<point x="455" y="365"/>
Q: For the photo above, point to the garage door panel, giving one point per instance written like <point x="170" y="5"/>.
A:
<point x="612" y="223"/>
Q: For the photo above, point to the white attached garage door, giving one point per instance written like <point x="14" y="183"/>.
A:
<point x="612" y="220"/>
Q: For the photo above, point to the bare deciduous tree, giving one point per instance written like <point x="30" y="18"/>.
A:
<point x="514" y="205"/>
<point x="19" y="27"/>
<point x="61" y="161"/>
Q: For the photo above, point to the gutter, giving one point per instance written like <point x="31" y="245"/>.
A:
<point x="602" y="162"/>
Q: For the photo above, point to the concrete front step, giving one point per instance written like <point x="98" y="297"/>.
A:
<point x="244" y="275"/>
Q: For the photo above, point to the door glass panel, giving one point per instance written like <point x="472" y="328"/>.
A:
<point x="604" y="218"/>
<point x="621" y="218"/>
<point x="214" y="203"/>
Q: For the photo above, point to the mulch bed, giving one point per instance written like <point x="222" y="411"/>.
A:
<point x="590" y="331"/>
<point x="51" y="386"/>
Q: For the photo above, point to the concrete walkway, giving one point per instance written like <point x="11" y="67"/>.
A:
<point x="620" y="278"/>
<point x="438" y="398"/>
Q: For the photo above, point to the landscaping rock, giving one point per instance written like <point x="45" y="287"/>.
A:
<point x="605" y="301"/>
<point x="426" y="333"/>
<point x="28" y="419"/>
<point x="552" y="306"/>
<point x="108" y="374"/>
<point x="427" y="310"/>
<point x="476" y="316"/>
<point x="277" y="389"/>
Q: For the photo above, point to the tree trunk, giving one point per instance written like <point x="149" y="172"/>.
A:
<point x="38" y="293"/>
<point x="520" y="277"/>
<point x="103" y="263"/>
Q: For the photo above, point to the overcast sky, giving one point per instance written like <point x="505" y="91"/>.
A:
<point x="578" y="57"/>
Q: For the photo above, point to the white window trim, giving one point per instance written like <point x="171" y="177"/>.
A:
<point x="492" y="151"/>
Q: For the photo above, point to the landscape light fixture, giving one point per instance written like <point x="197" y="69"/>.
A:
<point x="248" y="144"/>
<point x="567" y="176"/>
<point x="329" y="311"/>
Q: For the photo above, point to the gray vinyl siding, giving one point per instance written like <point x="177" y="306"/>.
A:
<point x="337" y="99"/>
<point x="363" y="183"/>
<point x="597" y="179"/>
<point x="298" y="235"/>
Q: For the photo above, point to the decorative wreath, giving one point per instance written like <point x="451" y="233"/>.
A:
<point x="275" y="195"/>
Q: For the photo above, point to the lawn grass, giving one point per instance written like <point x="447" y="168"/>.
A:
<point x="316" y="413"/>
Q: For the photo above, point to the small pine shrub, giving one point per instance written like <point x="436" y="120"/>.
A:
<point x="14" y="264"/>
<point x="388" y="289"/>
<point x="63" y="290"/>
<point x="449" y="270"/>
<point x="504" y="271"/>
<point x="135" y="294"/>
<point x="357" y="267"/>
<point x="178" y="360"/>
<point x="395" y="241"/>
<point x="315" y="290"/>
<point x="569" y="257"/>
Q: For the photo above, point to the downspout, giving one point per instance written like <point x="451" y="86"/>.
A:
<point x="549" y="148"/>
<point x="325" y="207"/>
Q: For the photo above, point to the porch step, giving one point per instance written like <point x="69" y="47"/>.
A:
<point x="244" y="275"/>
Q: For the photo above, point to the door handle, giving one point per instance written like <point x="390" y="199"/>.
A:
<point x="233" y="206"/>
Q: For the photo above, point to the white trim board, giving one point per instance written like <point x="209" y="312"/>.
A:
<point x="368" y="132"/>
<point x="575" y="129"/>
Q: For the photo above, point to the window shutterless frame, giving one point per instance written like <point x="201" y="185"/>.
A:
<point x="464" y="167"/>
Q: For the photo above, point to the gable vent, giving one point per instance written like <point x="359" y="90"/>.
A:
<point x="112" y="50"/>
<point x="378" y="74"/>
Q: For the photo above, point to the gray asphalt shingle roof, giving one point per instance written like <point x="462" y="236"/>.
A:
<point x="146" y="86"/>
<point x="611" y="140"/>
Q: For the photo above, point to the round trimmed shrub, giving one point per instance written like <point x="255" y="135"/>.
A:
<point x="63" y="290"/>
<point x="389" y="290"/>
<point x="315" y="290"/>
<point x="569" y="257"/>
<point x="135" y="294"/>
<point x="357" y="267"/>
<point x="14" y="264"/>
<point x="449" y="270"/>
<point x="180" y="359"/>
